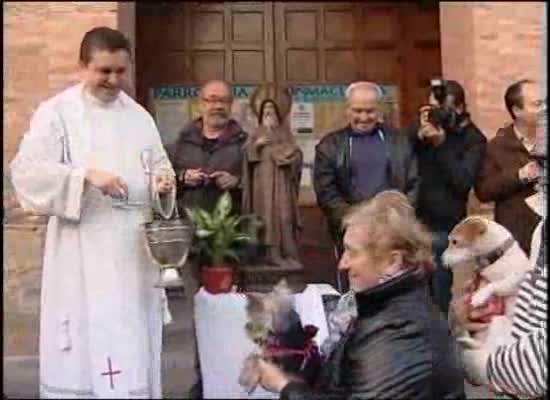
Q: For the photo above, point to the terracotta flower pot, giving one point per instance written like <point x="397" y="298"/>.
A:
<point x="217" y="279"/>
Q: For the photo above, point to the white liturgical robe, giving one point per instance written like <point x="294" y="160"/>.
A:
<point x="101" y="316"/>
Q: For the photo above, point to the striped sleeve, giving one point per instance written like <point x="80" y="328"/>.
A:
<point x="521" y="368"/>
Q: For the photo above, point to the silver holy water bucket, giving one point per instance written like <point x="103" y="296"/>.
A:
<point x="168" y="244"/>
<point x="168" y="238"/>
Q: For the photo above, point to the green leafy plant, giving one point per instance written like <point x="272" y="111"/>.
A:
<point x="218" y="234"/>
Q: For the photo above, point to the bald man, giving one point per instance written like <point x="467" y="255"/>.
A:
<point x="362" y="159"/>
<point x="207" y="156"/>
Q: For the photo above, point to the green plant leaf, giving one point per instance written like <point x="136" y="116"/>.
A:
<point x="231" y="254"/>
<point x="220" y="233"/>
<point x="243" y="238"/>
<point x="205" y="218"/>
<point x="192" y="215"/>
<point x="223" y="206"/>
<point x="203" y="233"/>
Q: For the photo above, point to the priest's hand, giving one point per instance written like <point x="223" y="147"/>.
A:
<point x="224" y="180"/>
<point x="108" y="183"/>
<point x="164" y="183"/>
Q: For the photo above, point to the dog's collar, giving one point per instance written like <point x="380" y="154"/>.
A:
<point x="492" y="256"/>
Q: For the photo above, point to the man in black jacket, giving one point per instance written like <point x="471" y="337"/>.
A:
<point x="364" y="158"/>
<point x="450" y="149"/>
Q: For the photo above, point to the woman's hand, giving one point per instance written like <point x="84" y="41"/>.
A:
<point x="272" y="378"/>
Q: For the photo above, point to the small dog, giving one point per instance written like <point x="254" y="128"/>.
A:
<point x="499" y="267"/>
<point x="275" y="327"/>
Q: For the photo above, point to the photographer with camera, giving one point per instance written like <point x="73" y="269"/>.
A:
<point x="450" y="149"/>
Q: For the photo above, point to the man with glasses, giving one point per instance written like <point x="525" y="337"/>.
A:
<point x="207" y="156"/>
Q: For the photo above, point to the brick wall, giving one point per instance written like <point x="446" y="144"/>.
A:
<point x="487" y="46"/>
<point x="41" y="41"/>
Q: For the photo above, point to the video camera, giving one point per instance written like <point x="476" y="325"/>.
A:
<point x="441" y="116"/>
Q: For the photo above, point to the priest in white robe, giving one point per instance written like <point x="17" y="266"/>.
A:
<point x="101" y="316"/>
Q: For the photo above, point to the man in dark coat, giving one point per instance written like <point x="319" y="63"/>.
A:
<point x="509" y="174"/>
<point x="449" y="160"/>
<point x="358" y="161"/>
<point x="207" y="159"/>
<point x="207" y="156"/>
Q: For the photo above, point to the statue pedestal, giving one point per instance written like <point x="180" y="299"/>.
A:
<point x="261" y="277"/>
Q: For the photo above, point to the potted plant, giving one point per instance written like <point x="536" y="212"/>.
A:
<point x="218" y="236"/>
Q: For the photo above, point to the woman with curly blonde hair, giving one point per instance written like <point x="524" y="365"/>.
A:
<point x="395" y="347"/>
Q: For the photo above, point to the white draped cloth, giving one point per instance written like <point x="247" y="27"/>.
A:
<point x="223" y="345"/>
<point x="101" y="316"/>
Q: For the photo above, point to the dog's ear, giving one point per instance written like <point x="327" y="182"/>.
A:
<point x="474" y="228"/>
<point x="254" y="303"/>
<point x="282" y="289"/>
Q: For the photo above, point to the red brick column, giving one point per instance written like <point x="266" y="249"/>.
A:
<point x="41" y="41"/>
<point x="486" y="46"/>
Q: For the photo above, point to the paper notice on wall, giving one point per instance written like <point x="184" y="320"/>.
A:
<point x="171" y="117"/>
<point x="302" y="118"/>
<point x="307" y="143"/>
<point x="175" y="106"/>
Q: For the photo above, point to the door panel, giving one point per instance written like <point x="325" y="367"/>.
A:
<point x="192" y="42"/>
<point x="291" y="43"/>
<point x="315" y="42"/>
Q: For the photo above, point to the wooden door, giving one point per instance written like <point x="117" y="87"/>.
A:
<point x="340" y="42"/>
<point x="193" y="42"/>
<point x="292" y="43"/>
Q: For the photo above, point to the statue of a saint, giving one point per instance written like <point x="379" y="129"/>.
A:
<point x="271" y="184"/>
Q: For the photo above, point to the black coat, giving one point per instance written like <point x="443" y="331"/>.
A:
<point x="190" y="152"/>
<point x="397" y="349"/>
<point x="447" y="174"/>
<point x="332" y="173"/>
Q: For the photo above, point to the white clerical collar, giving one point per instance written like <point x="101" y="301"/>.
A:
<point x="91" y="99"/>
<point x="523" y="139"/>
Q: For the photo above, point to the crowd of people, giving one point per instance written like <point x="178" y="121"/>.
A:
<point x="390" y="197"/>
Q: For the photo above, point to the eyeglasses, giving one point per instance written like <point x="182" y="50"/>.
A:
<point x="109" y="71"/>
<point x="214" y="100"/>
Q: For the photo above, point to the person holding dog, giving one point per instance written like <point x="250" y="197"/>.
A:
<point x="519" y="369"/>
<point x="394" y="348"/>
<point x="450" y="149"/>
